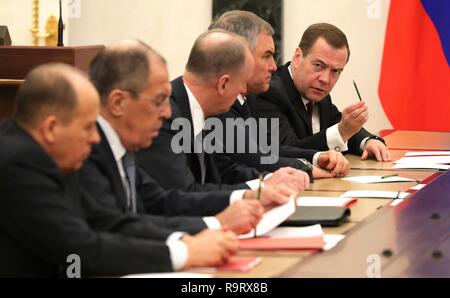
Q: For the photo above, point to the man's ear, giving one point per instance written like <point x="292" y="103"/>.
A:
<point x="298" y="55"/>
<point x="117" y="101"/>
<point x="49" y="129"/>
<point x="222" y="83"/>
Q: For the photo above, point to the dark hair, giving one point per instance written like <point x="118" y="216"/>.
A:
<point x="332" y="35"/>
<point x="124" y="66"/>
<point x="243" y="23"/>
<point x="209" y="57"/>
<point x="46" y="91"/>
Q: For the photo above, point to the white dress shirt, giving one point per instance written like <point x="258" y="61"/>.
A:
<point x="178" y="250"/>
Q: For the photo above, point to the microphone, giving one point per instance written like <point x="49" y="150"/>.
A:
<point x="60" y="27"/>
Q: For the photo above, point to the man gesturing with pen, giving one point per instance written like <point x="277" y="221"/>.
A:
<point x="299" y="97"/>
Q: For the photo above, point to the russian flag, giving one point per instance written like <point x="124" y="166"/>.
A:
<point x="414" y="86"/>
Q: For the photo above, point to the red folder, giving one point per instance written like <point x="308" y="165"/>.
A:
<point x="267" y="243"/>
<point x="240" y="264"/>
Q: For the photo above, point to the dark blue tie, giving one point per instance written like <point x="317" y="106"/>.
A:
<point x="246" y="111"/>
<point x="130" y="173"/>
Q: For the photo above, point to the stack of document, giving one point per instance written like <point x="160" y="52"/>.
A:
<point x="438" y="160"/>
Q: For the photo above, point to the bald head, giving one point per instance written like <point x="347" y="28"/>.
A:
<point x="216" y="52"/>
<point x="49" y="89"/>
<point x="124" y="65"/>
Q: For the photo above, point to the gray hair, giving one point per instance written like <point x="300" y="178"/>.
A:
<point x="125" y="65"/>
<point x="243" y="23"/>
<point x="216" y="52"/>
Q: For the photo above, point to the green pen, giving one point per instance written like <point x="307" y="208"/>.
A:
<point x="388" y="176"/>
<point x="357" y="91"/>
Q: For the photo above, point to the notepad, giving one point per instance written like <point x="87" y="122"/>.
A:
<point x="427" y="153"/>
<point x="286" y="238"/>
<point x="377" y="179"/>
<point x="374" y="194"/>
<point x="325" y="201"/>
<point x="272" y="219"/>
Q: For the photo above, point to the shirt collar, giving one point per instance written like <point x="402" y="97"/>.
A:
<point x="241" y="99"/>
<point x="198" y="117"/>
<point x="113" y="138"/>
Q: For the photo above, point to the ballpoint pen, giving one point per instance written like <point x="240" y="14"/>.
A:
<point x="357" y="91"/>
<point x="389" y="176"/>
<point x="398" y="195"/>
<point x="258" y="196"/>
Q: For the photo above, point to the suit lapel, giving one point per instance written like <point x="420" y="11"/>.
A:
<point x="294" y="95"/>
<point x="105" y="158"/>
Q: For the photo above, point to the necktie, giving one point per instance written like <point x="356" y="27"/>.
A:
<point x="198" y="143"/>
<point x="309" y="110"/>
<point x="130" y="173"/>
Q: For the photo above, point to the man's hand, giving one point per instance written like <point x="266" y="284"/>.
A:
<point x="353" y="119"/>
<point x="210" y="248"/>
<point x="334" y="162"/>
<point x="375" y="148"/>
<point x="271" y="196"/>
<point x="241" y="216"/>
<point x="295" y="179"/>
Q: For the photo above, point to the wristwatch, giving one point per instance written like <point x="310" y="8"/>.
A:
<point x="377" y="138"/>
<point x="307" y="163"/>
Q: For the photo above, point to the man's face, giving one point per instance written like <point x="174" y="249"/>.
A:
<point x="316" y="74"/>
<point x="264" y="64"/>
<point x="143" y="116"/>
<point x="73" y="140"/>
<point x="236" y="85"/>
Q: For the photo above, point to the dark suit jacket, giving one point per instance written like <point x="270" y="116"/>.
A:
<point x="100" y="177"/>
<point x="182" y="170"/>
<point x="43" y="220"/>
<point x="288" y="155"/>
<point x="283" y="101"/>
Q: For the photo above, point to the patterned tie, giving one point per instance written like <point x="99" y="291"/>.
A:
<point x="309" y="110"/>
<point x="129" y="166"/>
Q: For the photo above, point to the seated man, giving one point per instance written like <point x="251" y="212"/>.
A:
<point x="259" y="35"/>
<point x="219" y="64"/>
<point x="134" y="87"/>
<point x="43" y="217"/>
<point x="299" y="98"/>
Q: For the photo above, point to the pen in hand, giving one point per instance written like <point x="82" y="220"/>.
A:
<point x="258" y="196"/>
<point x="357" y="91"/>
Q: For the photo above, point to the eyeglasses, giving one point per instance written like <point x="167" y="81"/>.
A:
<point x="159" y="102"/>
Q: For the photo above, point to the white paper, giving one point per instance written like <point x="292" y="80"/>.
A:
<point x="377" y="179"/>
<point x="296" y="232"/>
<point x="323" y="201"/>
<point x="271" y="219"/>
<point x="427" y="153"/>
<point x="168" y="275"/>
<point x="396" y="202"/>
<point x="423" y="165"/>
<point x="425" y="159"/>
<point x="418" y="187"/>
<point x="374" y="194"/>
<point x="332" y="240"/>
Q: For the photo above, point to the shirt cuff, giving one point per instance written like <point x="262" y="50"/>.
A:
<point x="212" y="223"/>
<point x="178" y="250"/>
<point x="363" y="143"/>
<point x="315" y="160"/>
<point x="237" y="195"/>
<point x="334" y="139"/>
<point x="254" y="184"/>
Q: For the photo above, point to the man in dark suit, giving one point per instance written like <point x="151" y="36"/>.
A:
<point x="45" y="217"/>
<point x="132" y="80"/>
<point x="259" y="34"/>
<point x="299" y="98"/>
<point x="214" y="76"/>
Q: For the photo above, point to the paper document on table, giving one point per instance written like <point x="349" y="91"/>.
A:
<point x="377" y="179"/>
<point x="332" y="240"/>
<point x="424" y="159"/>
<point x="296" y="232"/>
<point x="271" y="219"/>
<point x="418" y="187"/>
<point x="422" y="165"/>
<point x="427" y="153"/>
<point x="374" y="194"/>
<point x="325" y="201"/>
